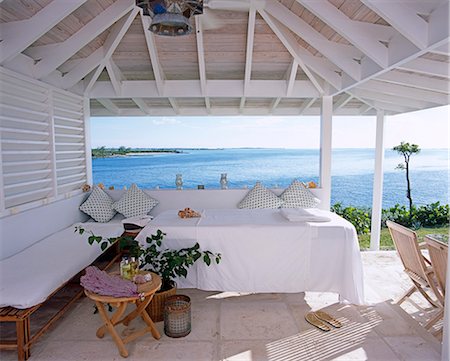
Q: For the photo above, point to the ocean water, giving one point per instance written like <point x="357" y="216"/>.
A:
<point x="352" y="172"/>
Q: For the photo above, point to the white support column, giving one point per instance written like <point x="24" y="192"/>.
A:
<point x="326" y="115"/>
<point x="445" y="355"/>
<point x="87" y="140"/>
<point x="377" y="197"/>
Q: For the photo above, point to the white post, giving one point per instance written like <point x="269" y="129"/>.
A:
<point x="87" y="140"/>
<point x="326" y="116"/>
<point x="377" y="197"/>
<point x="445" y="355"/>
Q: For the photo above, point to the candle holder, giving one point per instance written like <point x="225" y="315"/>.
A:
<point x="179" y="181"/>
<point x="223" y="181"/>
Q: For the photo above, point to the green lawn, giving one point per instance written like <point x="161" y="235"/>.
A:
<point x="386" y="241"/>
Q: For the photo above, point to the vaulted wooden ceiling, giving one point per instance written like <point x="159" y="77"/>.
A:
<point x="243" y="57"/>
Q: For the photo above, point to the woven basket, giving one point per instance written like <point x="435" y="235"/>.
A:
<point x="156" y="308"/>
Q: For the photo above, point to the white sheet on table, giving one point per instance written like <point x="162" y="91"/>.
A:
<point x="304" y="215"/>
<point x="29" y="277"/>
<point x="264" y="252"/>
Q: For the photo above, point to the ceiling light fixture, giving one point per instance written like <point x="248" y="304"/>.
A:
<point x="171" y="17"/>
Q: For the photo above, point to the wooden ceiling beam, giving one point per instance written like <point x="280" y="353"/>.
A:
<point x="274" y="104"/>
<point x="405" y="91"/>
<point x="402" y="101"/>
<point x="142" y="105"/>
<point x="115" y="75"/>
<point x="82" y="37"/>
<point x="112" y="41"/>
<point x="361" y="36"/>
<point x="416" y="81"/>
<point x="174" y="105"/>
<point x="215" y="88"/>
<point x="428" y="67"/>
<point x="18" y="35"/>
<point x="108" y="104"/>
<point x="292" y="74"/>
<point x="403" y="18"/>
<point x="302" y="56"/>
<point x="345" y="98"/>
<point x="342" y="55"/>
<point x="249" y="49"/>
<point x="153" y="53"/>
<point x="306" y="105"/>
<point x="201" y="59"/>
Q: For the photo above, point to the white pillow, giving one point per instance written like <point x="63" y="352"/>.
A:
<point x="99" y="206"/>
<point x="297" y="196"/>
<point x="260" y="197"/>
<point x="135" y="203"/>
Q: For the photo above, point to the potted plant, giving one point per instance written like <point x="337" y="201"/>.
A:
<point x="167" y="263"/>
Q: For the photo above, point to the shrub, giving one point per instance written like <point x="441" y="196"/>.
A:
<point x="430" y="215"/>
<point x="359" y="217"/>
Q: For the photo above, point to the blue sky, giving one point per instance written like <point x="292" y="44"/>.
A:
<point x="428" y="128"/>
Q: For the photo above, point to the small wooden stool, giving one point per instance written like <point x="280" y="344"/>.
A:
<point x="148" y="290"/>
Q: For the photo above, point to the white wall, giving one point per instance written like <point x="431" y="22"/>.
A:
<point x="21" y="230"/>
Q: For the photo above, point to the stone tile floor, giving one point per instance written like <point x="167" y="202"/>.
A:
<point x="230" y="326"/>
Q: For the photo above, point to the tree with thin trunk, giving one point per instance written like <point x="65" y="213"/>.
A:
<point x="407" y="150"/>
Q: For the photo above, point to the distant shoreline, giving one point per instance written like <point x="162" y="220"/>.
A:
<point x="103" y="152"/>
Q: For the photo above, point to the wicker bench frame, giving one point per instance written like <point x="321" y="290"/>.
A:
<point x="22" y="317"/>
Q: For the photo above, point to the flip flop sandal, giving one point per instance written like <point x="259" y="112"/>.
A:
<point x="311" y="318"/>
<point x="323" y="316"/>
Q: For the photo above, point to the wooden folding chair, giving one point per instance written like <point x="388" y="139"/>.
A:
<point x="438" y="252"/>
<point x="420" y="273"/>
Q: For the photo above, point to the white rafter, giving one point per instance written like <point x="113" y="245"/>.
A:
<point x="115" y="75"/>
<point x="403" y="18"/>
<point x="304" y="59"/>
<point x="112" y="41"/>
<point x="428" y="67"/>
<point x="405" y="91"/>
<point x="82" y="37"/>
<point x="142" y="105"/>
<point x="345" y="98"/>
<point x="215" y="88"/>
<point x="416" y="81"/>
<point x="151" y="46"/>
<point x="343" y="56"/>
<point x="306" y="105"/>
<point x="292" y="74"/>
<point x="174" y="105"/>
<point x="100" y="57"/>
<point x="249" y="50"/>
<point x="108" y="104"/>
<point x="375" y="96"/>
<point x="18" y="35"/>
<point x="360" y="35"/>
<point x="274" y="104"/>
<point x="83" y="68"/>
<point x="201" y="59"/>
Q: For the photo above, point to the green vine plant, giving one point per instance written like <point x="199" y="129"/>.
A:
<point x="167" y="263"/>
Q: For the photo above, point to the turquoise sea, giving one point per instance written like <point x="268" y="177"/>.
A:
<point x="352" y="172"/>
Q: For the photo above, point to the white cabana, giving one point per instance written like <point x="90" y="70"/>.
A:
<point x="65" y="61"/>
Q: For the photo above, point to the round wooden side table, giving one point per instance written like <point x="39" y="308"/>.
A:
<point x="147" y="290"/>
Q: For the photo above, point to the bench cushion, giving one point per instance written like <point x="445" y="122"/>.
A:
<point x="30" y="276"/>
